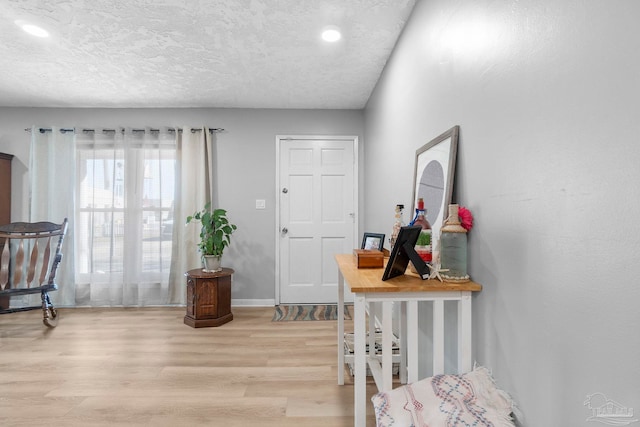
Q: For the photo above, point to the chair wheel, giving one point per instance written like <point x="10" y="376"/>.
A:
<point x="52" y="320"/>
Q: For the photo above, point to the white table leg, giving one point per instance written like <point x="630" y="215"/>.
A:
<point x="340" y="328"/>
<point x="387" y="340"/>
<point x="402" y="335"/>
<point x="464" y="333"/>
<point x="373" y="315"/>
<point x="438" y="337"/>
<point x="412" y="341"/>
<point x="359" y="361"/>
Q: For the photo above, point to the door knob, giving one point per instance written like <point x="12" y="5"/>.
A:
<point x="285" y="230"/>
<point x="285" y="190"/>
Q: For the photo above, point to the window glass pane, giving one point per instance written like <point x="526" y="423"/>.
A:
<point x="157" y="207"/>
<point x="102" y="179"/>
<point x="125" y="211"/>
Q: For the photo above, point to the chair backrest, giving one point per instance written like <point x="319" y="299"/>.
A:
<point x="32" y="241"/>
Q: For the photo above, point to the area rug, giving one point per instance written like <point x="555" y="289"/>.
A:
<point x="286" y="313"/>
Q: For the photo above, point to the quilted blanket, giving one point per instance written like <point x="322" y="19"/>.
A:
<point x="470" y="399"/>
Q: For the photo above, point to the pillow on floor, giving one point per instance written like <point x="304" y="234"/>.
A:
<point x="470" y="399"/>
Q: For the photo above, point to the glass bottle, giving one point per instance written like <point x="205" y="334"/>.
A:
<point x="399" y="223"/>
<point x="423" y="246"/>
<point x="453" y="248"/>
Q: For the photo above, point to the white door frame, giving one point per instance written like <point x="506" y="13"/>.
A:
<point x="356" y="190"/>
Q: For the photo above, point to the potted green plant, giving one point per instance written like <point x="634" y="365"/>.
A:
<point x="215" y="235"/>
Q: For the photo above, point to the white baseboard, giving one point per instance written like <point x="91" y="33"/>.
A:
<point x="253" y="302"/>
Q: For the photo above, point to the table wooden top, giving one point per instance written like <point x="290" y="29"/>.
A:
<point x="199" y="273"/>
<point x="370" y="280"/>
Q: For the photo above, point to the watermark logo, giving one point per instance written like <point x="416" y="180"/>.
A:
<point x="607" y="411"/>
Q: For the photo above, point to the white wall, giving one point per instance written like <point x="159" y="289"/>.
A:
<point x="245" y="165"/>
<point x="546" y="95"/>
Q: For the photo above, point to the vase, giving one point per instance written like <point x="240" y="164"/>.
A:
<point x="453" y="248"/>
<point x="211" y="263"/>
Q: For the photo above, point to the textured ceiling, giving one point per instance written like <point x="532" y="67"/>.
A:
<point x="196" y="53"/>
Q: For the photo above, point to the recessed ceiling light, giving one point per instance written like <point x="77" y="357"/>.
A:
<point x="331" y="34"/>
<point x="32" y="29"/>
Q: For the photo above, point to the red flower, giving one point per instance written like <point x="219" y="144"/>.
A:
<point x="466" y="218"/>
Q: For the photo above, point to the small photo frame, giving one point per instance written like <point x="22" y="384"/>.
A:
<point x="372" y="241"/>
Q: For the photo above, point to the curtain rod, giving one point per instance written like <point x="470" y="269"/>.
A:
<point x="65" y="130"/>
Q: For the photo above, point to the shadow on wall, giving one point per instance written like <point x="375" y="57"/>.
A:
<point x="254" y="267"/>
<point x="493" y="307"/>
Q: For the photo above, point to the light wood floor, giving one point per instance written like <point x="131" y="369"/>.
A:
<point x="128" y="367"/>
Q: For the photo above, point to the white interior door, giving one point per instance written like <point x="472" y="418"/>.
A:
<point x="317" y="215"/>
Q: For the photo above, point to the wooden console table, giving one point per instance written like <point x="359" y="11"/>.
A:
<point x="408" y="290"/>
<point x="208" y="298"/>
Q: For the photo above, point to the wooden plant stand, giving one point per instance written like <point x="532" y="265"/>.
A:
<point x="208" y="298"/>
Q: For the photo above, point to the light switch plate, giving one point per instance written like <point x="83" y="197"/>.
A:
<point x="261" y="204"/>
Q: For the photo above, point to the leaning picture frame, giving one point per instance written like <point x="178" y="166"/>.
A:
<point x="372" y="241"/>
<point x="433" y="177"/>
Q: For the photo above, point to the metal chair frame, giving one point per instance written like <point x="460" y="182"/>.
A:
<point x="20" y="241"/>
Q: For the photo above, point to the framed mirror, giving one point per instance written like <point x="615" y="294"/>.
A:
<point x="433" y="179"/>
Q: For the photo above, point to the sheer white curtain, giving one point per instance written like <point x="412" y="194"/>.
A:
<point x="51" y="196"/>
<point x="124" y="202"/>
<point x="126" y="194"/>
<point x="194" y="186"/>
